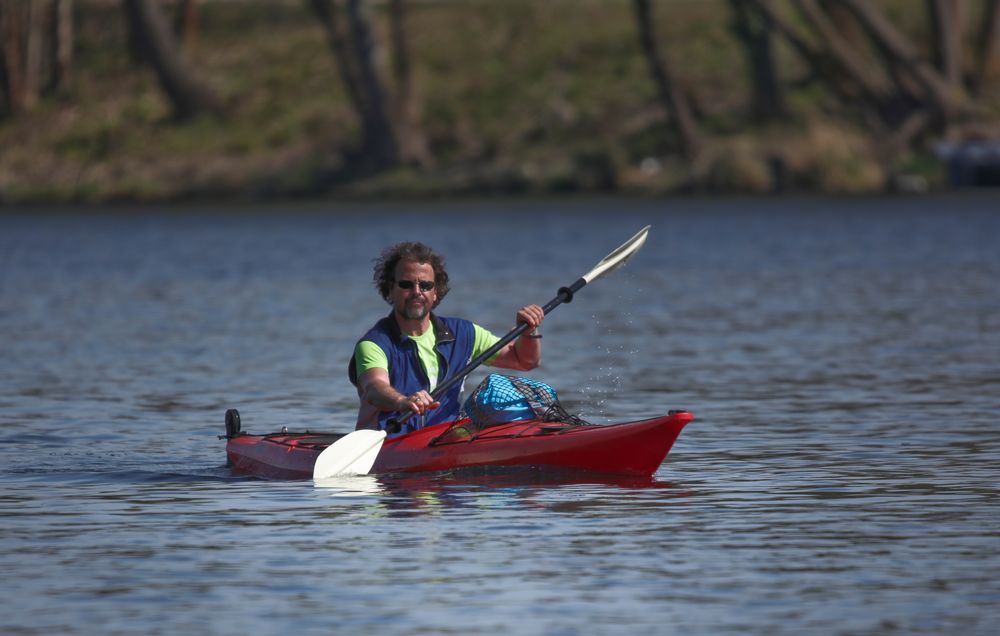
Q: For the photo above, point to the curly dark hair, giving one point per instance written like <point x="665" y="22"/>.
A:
<point x="385" y="267"/>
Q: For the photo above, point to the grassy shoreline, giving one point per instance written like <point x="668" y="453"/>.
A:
<point x="517" y="98"/>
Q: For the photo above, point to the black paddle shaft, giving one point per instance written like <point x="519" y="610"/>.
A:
<point x="565" y="295"/>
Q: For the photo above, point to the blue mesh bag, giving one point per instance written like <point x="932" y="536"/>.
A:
<point x="502" y="398"/>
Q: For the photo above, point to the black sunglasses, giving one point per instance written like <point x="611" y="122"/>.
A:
<point x="425" y="285"/>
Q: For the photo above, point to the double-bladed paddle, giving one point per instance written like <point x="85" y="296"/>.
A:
<point x="355" y="452"/>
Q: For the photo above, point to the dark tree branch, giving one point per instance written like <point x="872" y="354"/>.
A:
<point x="355" y="55"/>
<point x="947" y="20"/>
<point x="949" y="100"/>
<point x="754" y="30"/>
<point x="413" y="143"/>
<point x="989" y="46"/>
<point x="671" y="97"/>
<point x="188" y="95"/>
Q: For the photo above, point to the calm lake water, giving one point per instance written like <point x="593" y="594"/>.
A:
<point x="842" y="358"/>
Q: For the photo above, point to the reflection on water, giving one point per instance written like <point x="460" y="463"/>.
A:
<point x="349" y="485"/>
<point x="840" y="477"/>
<point x="446" y="493"/>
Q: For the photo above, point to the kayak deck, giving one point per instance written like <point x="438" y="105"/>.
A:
<point x="631" y="448"/>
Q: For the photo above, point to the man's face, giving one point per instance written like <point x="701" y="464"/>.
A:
<point x="413" y="303"/>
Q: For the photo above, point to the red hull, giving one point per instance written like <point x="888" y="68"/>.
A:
<point x="633" y="448"/>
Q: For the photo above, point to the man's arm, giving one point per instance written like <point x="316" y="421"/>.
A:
<point x="525" y="352"/>
<point x="375" y="389"/>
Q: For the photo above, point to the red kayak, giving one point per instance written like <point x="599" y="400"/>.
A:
<point x="632" y="448"/>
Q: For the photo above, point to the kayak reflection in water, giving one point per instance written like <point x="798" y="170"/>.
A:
<point x="404" y="356"/>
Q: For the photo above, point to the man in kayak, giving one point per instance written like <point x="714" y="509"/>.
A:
<point x="397" y="364"/>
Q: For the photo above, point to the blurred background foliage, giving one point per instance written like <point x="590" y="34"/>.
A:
<point x="244" y="100"/>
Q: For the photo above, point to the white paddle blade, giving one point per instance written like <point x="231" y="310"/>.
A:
<point x="617" y="258"/>
<point x="352" y="454"/>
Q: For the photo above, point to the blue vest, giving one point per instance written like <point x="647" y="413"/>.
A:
<point x="455" y="338"/>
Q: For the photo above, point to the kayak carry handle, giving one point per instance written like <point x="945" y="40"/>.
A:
<point x="233" y="425"/>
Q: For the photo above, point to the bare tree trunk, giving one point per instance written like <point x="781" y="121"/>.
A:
<point x="826" y="63"/>
<point x="62" y="44"/>
<point x="989" y="46"/>
<point x="949" y="100"/>
<point x="671" y="97"/>
<point x="413" y="143"/>
<point x="754" y="30"/>
<point x="843" y="58"/>
<point x="188" y="95"/>
<point x="379" y="132"/>
<point x="10" y="60"/>
<point x="22" y="37"/>
<point x="906" y="96"/>
<point x="845" y="24"/>
<point x="791" y="33"/>
<point x="328" y="17"/>
<point x="33" y="54"/>
<point x="947" y="22"/>
<point x="187" y="23"/>
<point x="875" y="85"/>
<point x="355" y="56"/>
